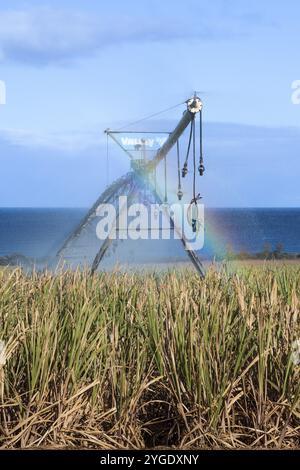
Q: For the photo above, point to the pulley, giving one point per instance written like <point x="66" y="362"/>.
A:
<point x="194" y="104"/>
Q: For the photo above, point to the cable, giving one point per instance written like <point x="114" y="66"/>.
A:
<point x="107" y="162"/>
<point x="185" y="166"/>
<point x="201" y="167"/>
<point x="150" y="116"/>
<point x="193" y="207"/>
<point x="166" y="191"/>
<point x="179" y="192"/>
<point x="194" y="161"/>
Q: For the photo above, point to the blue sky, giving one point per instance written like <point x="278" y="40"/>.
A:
<point x="73" y="68"/>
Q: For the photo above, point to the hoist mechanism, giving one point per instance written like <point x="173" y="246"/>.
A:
<point x="144" y="168"/>
<point x="194" y="106"/>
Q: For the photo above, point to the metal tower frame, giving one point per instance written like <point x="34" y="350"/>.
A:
<point x="135" y="180"/>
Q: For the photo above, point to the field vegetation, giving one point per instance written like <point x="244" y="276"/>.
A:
<point x="133" y="361"/>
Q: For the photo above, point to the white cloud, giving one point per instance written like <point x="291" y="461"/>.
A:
<point x="218" y="137"/>
<point x="72" y="142"/>
<point x="44" y="35"/>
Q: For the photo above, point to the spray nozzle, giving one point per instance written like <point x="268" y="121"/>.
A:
<point x="201" y="169"/>
<point x="179" y="194"/>
<point x="184" y="170"/>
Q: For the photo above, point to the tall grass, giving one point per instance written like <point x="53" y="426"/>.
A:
<point x="119" y="360"/>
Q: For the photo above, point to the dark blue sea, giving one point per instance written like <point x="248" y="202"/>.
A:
<point x="38" y="233"/>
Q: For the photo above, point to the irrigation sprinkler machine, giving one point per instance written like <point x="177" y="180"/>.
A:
<point x="148" y="152"/>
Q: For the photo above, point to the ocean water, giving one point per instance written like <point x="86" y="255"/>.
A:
<point x="39" y="233"/>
